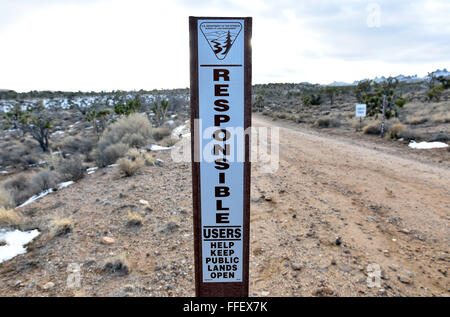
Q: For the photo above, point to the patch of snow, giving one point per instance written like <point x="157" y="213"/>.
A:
<point x="156" y="147"/>
<point x="181" y="131"/>
<point x="15" y="241"/>
<point x="91" y="170"/>
<point x="113" y="165"/>
<point x="65" y="184"/>
<point x="36" y="197"/>
<point x="427" y="145"/>
<point x="45" y="193"/>
<point x="58" y="132"/>
<point x="3" y="172"/>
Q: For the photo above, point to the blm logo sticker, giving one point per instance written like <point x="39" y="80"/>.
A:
<point x="221" y="36"/>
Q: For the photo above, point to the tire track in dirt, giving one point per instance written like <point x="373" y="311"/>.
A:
<point x="388" y="209"/>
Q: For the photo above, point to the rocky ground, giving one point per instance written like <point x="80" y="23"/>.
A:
<point x="334" y="206"/>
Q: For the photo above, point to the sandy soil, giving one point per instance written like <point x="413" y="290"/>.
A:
<point x="335" y="205"/>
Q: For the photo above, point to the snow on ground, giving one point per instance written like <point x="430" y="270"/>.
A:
<point x="427" y="145"/>
<point x="45" y="193"/>
<point x="181" y="131"/>
<point x="15" y="241"/>
<point x="91" y="170"/>
<point x="65" y="184"/>
<point x="156" y="147"/>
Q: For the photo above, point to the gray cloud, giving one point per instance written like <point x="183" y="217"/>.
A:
<point x="12" y="10"/>
<point x="410" y="31"/>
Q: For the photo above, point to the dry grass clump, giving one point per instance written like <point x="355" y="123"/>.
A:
<point x="416" y="120"/>
<point x="395" y="131"/>
<point x="169" y="141"/>
<point x="130" y="164"/>
<point x="441" y="118"/>
<point x="326" y="123"/>
<point x="134" y="219"/>
<point x="129" y="167"/>
<point x="117" y="265"/>
<point x="160" y="133"/>
<point x="148" y="158"/>
<point x="372" y="128"/>
<point x="6" y="200"/>
<point x="61" y="226"/>
<point x="132" y="131"/>
<point x="9" y="218"/>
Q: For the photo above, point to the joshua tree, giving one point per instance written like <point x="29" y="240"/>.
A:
<point x="99" y="119"/>
<point x="131" y="106"/>
<point x="331" y="92"/>
<point x="374" y="99"/>
<point x="160" y="110"/>
<point x="34" y="120"/>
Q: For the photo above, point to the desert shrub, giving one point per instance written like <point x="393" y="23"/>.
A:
<point x="117" y="265"/>
<point x="78" y="144"/>
<point x="160" y="133"/>
<point x="20" y="188"/>
<point x="131" y="131"/>
<point x="326" y="123"/>
<point x="312" y="99"/>
<point x="416" y="120"/>
<point x="372" y="128"/>
<point x="148" y="159"/>
<point x="44" y="180"/>
<point x="129" y="167"/>
<point x="395" y="131"/>
<point x="134" y="131"/>
<point x="411" y="135"/>
<point x="70" y="169"/>
<point x="9" y="218"/>
<point x="400" y="102"/>
<point x="30" y="159"/>
<point x="169" y="141"/>
<point x="110" y="154"/>
<point x="440" y="137"/>
<point x="130" y="164"/>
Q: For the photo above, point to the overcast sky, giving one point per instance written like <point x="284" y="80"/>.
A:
<point x="143" y="44"/>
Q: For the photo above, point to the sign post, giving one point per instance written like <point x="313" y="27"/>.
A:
<point x="220" y="67"/>
<point x="360" y="112"/>
<point x="383" y="115"/>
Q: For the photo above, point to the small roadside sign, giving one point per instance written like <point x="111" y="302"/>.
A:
<point x="360" y="110"/>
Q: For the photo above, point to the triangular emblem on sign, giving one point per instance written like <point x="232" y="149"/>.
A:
<point x="221" y="36"/>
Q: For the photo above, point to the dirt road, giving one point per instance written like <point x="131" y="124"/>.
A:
<point x="386" y="209"/>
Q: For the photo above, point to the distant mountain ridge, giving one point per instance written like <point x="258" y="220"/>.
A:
<point x="400" y="78"/>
